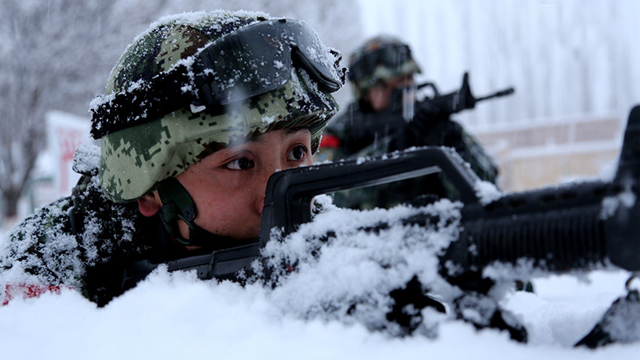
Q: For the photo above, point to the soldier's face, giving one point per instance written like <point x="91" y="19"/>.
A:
<point x="228" y="186"/>
<point x="379" y="96"/>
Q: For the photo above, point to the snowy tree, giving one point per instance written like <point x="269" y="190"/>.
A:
<point x="48" y="50"/>
<point x="54" y="54"/>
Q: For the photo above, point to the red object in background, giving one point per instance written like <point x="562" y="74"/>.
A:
<point x="68" y="142"/>
<point x="27" y="291"/>
<point x="329" y="141"/>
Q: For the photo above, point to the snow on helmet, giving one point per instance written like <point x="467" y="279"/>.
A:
<point x="380" y="58"/>
<point x="192" y="82"/>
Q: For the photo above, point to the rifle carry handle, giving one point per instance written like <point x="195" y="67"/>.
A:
<point x="290" y="193"/>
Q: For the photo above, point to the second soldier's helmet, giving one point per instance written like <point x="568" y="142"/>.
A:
<point x="192" y="82"/>
<point x="379" y="59"/>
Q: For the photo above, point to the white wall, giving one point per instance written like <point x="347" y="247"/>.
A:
<point x="564" y="57"/>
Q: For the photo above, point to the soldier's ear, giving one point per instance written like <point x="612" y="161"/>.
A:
<point x="149" y="204"/>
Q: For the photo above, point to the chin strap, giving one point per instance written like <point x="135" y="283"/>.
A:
<point x="177" y="204"/>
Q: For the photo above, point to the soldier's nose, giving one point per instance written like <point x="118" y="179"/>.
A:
<point x="262" y="188"/>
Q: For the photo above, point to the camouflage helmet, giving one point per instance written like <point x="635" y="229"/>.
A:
<point x="380" y="58"/>
<point x="177" y="94"/>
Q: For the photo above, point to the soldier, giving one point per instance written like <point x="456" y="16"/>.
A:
<point x="377" y="69"/>
<point x="385" y="117"/>
<point x="199" y="111"/>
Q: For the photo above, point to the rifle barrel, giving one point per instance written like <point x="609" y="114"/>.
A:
<point x="500" y="93"/>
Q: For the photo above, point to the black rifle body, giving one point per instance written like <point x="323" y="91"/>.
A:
<point x="556" y="229"/>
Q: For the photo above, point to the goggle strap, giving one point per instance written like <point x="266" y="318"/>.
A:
<point x="125" y="109"/>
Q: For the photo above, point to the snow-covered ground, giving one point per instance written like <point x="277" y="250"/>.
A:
<point x="174" y="315"/>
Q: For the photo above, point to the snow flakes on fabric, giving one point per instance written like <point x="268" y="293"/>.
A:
<point x="70" y="241"/>
<point x="86" y="159"/>
<point x="41" y="251"/>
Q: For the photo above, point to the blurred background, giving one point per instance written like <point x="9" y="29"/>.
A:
<point x="575" y="65"/>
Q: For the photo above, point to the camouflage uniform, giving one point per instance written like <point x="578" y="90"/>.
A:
<point x="88" y="240"/>
<point x="83" y="242"/>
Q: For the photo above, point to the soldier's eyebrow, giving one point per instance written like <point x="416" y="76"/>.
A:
<point x="295" y="130"/>
<point x="259" y="136"/>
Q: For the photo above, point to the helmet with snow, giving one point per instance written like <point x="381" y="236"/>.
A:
<point x="379" y="59"/>
<point x="192" y="82"/>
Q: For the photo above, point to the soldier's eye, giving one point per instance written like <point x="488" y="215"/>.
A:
<point x="240" y="164"/>
<point x="298" y="153"/>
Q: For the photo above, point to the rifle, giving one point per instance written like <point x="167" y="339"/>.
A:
<point x="454" y="102"/>
<point x="427" y="122"/>
<point x="581" y="226"/>
<point x="558" y="228"/>
<point x="443" y="106"/>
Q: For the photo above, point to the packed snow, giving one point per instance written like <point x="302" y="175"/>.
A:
<point x="176" y="315"/>
<point x="309" y="313"/>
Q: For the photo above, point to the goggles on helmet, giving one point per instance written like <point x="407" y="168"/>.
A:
<point x="390" y="56"/>
<point x="251" y="61"/>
